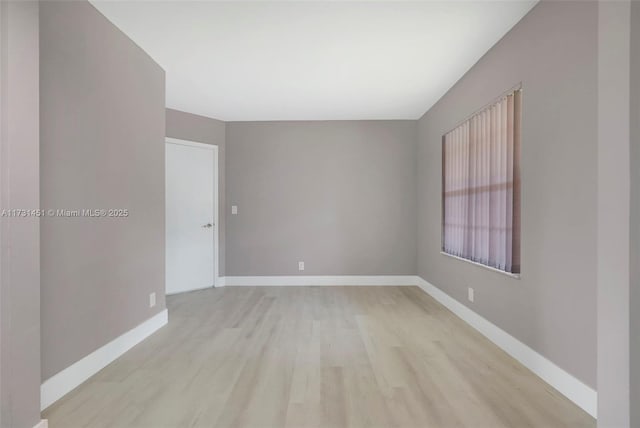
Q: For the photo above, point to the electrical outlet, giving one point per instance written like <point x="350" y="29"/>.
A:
<point x="234" y="209"/>
<point x="470" y="296"/>
<point x="300" y="265"/>
<point x="152" y="300"/>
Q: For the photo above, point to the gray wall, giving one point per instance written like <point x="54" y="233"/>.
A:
<point x="102" y="146"/>
<point x="553" y="52"/>
<point x="635" y="215"/>
<point x="339" y="196"/>
<point x="613" y="187"/>
<point x="19" y="253"/>
<point x="201" y="129"/>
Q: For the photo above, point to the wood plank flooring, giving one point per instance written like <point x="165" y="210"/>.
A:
<point x="314" y="357"/>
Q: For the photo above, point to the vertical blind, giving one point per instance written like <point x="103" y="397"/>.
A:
<point x="481" y="186"/>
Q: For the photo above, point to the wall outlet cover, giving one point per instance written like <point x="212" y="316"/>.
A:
<point x="152" y="300"/>
<point x="234" y="209"/>
<point x="470" y="295"/>
<point x="300" y="265"/>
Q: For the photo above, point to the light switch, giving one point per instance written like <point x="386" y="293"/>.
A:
<point x="234" y="209"/>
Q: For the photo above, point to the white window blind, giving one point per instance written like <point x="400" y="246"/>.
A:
<point x="481" y="186"/>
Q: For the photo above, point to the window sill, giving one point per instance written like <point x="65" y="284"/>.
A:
<point x="492" y="269"/>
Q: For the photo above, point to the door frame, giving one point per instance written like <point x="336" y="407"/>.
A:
<point x="216" y="192"/>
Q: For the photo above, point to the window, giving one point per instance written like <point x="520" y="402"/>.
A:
<point x="481" y="186"/>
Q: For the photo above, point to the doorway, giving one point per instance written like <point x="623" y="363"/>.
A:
<point x="191" y="198"/>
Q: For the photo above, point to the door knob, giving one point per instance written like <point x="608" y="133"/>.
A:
<point x="207" y="226"/>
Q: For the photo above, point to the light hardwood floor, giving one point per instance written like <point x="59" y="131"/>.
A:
<point x="314" y="357"/>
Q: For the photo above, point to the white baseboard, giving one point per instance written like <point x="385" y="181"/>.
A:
<point x="320" y="280"/>
<point x="221" y="281"/>
<point x="574" y="389"/>
<point x="44" y="423"/>
<point x="63" y="382"/>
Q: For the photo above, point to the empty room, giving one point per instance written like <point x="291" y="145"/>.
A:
<point x="290" y="214"/>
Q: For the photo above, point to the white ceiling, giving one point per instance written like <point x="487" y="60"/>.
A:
<point x="238" y="61"/>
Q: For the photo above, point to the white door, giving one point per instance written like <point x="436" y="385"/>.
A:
<point x="191" y="207"/>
